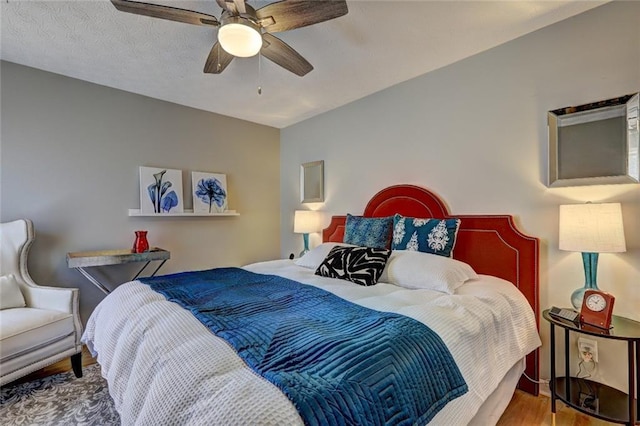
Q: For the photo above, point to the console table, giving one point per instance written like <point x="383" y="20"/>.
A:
<point x="83" y="259"/>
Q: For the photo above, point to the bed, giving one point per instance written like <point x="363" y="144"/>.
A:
<point x="164" y="366"/>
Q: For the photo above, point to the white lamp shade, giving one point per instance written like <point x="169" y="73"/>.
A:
<point x="592" y="228"/>
<point x="306" y="222"/>
<point x="240" y="39"/>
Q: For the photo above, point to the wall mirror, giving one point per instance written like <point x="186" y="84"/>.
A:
<point x="312" y="182"/>
<point x="595" y="144"/>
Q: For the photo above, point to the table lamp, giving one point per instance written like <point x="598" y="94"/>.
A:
<point x="590" y="229"/>
<point x="306" y="222"/>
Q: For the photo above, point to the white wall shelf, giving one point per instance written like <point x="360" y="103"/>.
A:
<point x="187" y="213"/>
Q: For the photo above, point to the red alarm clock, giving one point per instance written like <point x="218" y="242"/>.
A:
<point x="597" y="308"/>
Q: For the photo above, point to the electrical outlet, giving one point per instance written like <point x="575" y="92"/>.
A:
<point x="587" y="349"/>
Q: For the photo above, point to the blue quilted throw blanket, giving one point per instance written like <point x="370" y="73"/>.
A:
<point x="338" y="362"/>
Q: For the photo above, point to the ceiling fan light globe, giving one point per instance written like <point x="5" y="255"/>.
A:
<point x="239" y="39"/>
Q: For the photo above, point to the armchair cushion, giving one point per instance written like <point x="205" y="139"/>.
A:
<point x="27" y="329"/>
<point x="10" y="294"/>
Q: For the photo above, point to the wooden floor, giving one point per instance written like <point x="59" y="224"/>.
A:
<point x="524" y="409"/>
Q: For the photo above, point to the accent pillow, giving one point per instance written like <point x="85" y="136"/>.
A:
<point x="416" y="270"/>
<point x="436" y="236"/>
<point x="314" y="257"/>
<point x="361" y="265"/>
<point x="368" y="231"/>
<point x="10" y="293"/>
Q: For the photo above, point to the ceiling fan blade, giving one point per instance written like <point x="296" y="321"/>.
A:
<point x="295" y="14"/>
<point x="240" y="6"/>
<point x="165" y="12"/>
<point x="217" y="60"/>
<point x="282" y="54"/>
<point x="233" y="6"/>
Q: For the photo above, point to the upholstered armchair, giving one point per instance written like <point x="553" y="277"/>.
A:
<point x="38" y="325"/>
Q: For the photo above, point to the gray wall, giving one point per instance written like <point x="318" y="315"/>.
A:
<point x="475" y="132"/>
<point x="70" y="156"/>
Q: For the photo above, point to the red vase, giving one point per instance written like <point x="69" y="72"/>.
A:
<point x="140" y="245"/>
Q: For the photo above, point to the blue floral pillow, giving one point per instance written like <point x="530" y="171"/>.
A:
<point x="368" y="231"/>
<point x="435" y="236"/>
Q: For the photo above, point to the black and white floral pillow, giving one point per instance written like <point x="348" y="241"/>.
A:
<point x="361" y="265"/>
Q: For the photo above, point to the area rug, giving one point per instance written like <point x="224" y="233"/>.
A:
<point x="61" y="399"/>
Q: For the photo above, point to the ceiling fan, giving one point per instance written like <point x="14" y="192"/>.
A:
<point x="244" y="31"/>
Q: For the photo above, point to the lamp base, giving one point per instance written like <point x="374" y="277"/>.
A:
<point x="305" y="238"/>
<point x="578" y="295"/>
<point x="590" y="263"/>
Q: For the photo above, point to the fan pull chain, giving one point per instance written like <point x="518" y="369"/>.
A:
<point x="259" y="74"/>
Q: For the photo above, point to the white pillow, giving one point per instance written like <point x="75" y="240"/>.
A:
<point x="314" y="257"/>
<point x="10" y="294"/>
<point x="417" y="270"/>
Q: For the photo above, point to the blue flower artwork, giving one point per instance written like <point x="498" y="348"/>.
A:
<point x="162" y="190"/>
<point x="209" y="192"/>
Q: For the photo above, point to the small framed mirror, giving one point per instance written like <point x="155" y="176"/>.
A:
<point x="595" y="144"/>
<point x="312" y="182"/>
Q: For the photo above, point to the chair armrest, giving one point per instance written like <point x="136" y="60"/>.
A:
<point x="54" y="298"/>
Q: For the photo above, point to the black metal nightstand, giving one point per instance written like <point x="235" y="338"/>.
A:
<point x="614" y="406"/>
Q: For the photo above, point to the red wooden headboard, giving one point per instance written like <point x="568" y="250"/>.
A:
<point x="491" y="244"/>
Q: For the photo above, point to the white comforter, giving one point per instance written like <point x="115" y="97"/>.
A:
<point x="164" y="367"/>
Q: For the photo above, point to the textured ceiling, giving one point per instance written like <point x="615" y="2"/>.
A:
<point x="376" y="45"/>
